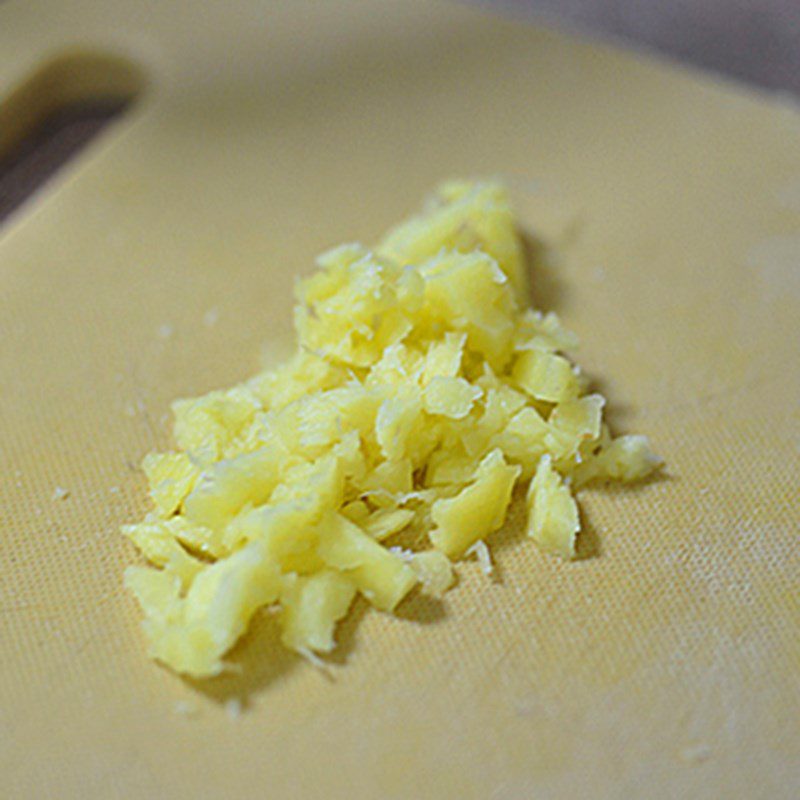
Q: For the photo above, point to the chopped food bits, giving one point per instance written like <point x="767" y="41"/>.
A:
<point x="422" y="393"/>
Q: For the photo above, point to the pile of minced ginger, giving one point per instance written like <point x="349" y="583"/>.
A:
<point x="424" y="389"/>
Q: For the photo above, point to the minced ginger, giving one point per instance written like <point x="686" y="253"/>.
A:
<point x="423" y="391"/>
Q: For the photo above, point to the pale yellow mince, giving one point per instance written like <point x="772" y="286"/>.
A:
<point x="423" y="391"/>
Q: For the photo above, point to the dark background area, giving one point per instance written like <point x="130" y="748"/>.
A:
<point x="757" y="41"/>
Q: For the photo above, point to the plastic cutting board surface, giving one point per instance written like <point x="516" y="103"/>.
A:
<point x="663" y="664"/>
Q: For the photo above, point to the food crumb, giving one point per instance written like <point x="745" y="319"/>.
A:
<point x="402" y="552"/>
<point x="185" y="708"/>
<point x="314" y="659"/>
<point x="233" y="708"/>
<point x="60" y="493"/>
<point x="483" y="557"/>
<point x="131" y="409"/>
<point x="210" y="317"/>
<point x="695" y="753"/>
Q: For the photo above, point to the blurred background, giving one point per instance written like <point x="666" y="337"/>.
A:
<point x="754" y="41"/>
<point x="757" y="41"/>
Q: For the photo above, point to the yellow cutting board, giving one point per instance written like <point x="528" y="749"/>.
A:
<point x="664" y="663"/>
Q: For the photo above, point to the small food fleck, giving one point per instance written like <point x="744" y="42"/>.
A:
<point x="423" y="392"/>
<point x="695" y="753"/>
<point x="60" y="493"/>
<point x="185" y="708"/>
<point x="483" y="556"/>
<point x="233" y="708"/>
<point x="434" y="570"/>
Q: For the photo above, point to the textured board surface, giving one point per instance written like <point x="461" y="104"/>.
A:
<point x="665" y="663"/>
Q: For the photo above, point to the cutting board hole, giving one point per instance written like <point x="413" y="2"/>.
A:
<point x="54" y="114"/>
